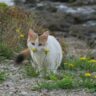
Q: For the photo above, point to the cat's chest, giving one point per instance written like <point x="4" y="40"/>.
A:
<point x="39" y="57"/>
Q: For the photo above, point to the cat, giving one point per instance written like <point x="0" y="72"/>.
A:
<point x="45" y="51"/>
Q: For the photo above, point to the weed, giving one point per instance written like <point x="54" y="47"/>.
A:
<point x="2" y="76"/>
<point x="5" y="51"/>
<point x="80" y="64"/>
<point x="29" y="71"/>
<point x="77" y="73"/>
<point x="65" y="83"/>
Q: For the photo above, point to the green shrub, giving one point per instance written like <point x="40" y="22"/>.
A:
<point x="15" y="23"/>
<point x="80" y="64"/>
<point x="89" y="83"/>
<point x="5" y="51"/>
<point x="65" y="83"/>
<point x="3" y="5"/>
<point x="51" y="76"/>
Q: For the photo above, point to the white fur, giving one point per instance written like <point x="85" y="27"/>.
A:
<point x="48" y="62"/>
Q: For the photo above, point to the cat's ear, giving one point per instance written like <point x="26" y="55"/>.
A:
<point x="45" y="35"/>
<point x="31" y="33"/>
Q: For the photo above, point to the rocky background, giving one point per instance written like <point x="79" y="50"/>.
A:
<point x="67" y="18"/>
<point x="72" y="20"/>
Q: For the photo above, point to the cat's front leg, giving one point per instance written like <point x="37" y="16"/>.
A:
<point x="54" y="71"/>
<point x="34" y="66"/>
<point x="52" y="68"/>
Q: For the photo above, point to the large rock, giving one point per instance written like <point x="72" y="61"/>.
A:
<point x="78" y="21"/>
<point x="63" y="0"/>
<point x="85" y="2"/>
<point x="77" y="1"/>
<point x="55" y="21"/>
<point x="85" y="32"/>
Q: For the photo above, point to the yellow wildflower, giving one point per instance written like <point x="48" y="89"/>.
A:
<point x="71" y="65"/>
<point x="92" y="61"/>
<point x="34" y="49"/>
<point x="22" y="36"/>
<point x="83" y="58"/>
<point x="46" y="50"/>
<point x="87" y="74"/>
<point x="95" y="76"/>
<point x="65" y="63"/>
<point x="18" y="30"/>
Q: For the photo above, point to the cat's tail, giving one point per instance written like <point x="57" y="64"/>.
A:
<point x="22" y="56"/>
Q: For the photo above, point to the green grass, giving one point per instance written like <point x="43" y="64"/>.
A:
<point x="3" y="5"/>
<point x="65" y="83"/>
<point x="5" y="51"/>
<point x="68" y="82"/>
<point x="82" y="64"/>
<point x="57" y="82"/>
<point x="77" y="73"/>
<point x="29" y="71"/>
<point x="2" y="77"/>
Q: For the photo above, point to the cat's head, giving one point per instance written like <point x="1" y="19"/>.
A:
<point x="35" y="41"/>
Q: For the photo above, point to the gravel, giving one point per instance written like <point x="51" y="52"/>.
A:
<point x="17" y="84"/>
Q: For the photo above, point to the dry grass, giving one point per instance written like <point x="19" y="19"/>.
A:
<point x="14" y="25"/>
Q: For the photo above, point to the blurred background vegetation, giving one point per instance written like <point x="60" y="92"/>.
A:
<point x="69" y="20"/>
<point x="14" y="26"/>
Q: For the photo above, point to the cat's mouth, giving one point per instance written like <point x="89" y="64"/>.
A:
<point x="45" y="50"/>
<point x="34" y="49"/>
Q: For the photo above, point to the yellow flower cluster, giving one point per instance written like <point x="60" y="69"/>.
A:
<point x="71" y="65"/>
<point x="89" y="60"/>
<point x="95" y="76"/>
<point x="34" y="50"/>
<point x="92" y="61"/>
<point x="21" y="35"/>
<point x="83" y="58"/>
<point x="46" y="50"/>
<point x="87" y="74"/>
<point x="18" y="30"/>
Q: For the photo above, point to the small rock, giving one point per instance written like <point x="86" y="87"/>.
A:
<point x="23" y="93"/>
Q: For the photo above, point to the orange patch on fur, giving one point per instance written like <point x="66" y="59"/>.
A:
<point x="26" y="52"/>
<point x="43" y="38"/>
<point x="32" y="36"/>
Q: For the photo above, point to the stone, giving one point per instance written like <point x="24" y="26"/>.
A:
<point x="85" y="2"/>
<point x="23" y="93"/>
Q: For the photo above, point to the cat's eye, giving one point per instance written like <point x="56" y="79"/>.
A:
<point x="33" y="43"/>
<point x="40" y="44"/>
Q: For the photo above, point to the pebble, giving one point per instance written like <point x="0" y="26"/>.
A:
<point x="23" y="93"/>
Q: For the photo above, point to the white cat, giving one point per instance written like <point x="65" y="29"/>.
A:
<point x="45" y="50"/>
